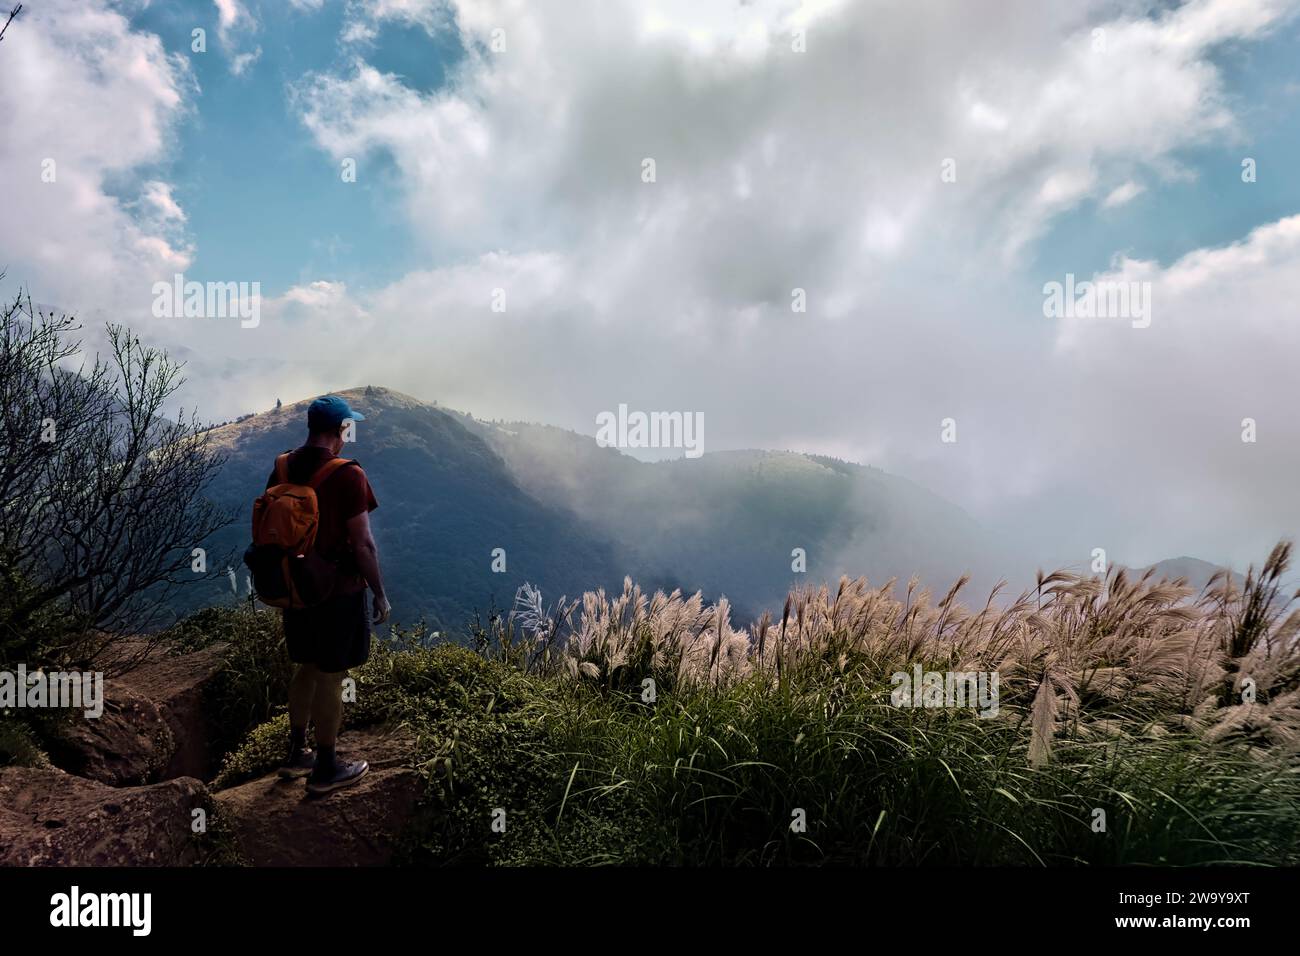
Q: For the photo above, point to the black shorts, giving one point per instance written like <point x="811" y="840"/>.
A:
<point x="335" y="635"/>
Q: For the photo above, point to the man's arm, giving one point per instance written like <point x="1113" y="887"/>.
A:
<point x="367" y="554"/>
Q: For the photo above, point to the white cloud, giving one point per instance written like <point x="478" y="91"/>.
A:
<point x="232" y="14"/>
<point x="88" y="102"/>
<point x="553" y="130"/>
<point x="240" y="62"/>
<point x="363" y="19"/>
<point x="1122" y="194"/>
<point x="235" y="23"/>
<point x="159" y="195"/>
<point x="1151" y="419"/>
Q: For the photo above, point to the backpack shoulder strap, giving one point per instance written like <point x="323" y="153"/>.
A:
<point x="327" y="469"/>
<point x="282" y="468"/>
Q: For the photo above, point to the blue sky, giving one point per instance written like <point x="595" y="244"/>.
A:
<point x="243" y="156"/>
<point x="1214" y="206"/>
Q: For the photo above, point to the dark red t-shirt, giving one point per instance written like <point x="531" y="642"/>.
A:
<point x="341" y="497"/>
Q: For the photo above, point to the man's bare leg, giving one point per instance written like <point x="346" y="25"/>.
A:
<point x="302" y="692"/>
<point x="327" y="713"/>
<point x="327" y="707"/>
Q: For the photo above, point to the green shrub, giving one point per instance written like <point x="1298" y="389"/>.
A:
<point x="19" y="744"/>
<point x="212" y="625"/>
<point x="443" y="679"/>
<point x="253" y="684"/>
<point x="219" y="844"/>
<point x="726" y="773"/>
<point x="260" y="753"/>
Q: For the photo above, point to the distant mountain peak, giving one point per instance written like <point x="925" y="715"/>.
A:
<point x="1196" y="571"/>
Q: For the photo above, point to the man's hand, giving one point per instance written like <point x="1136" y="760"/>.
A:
<point x="382" y="608"/>
<point x="367" y="555"/>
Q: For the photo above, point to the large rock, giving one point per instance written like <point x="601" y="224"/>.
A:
<point x="154" y="725"/>
<point x="177" y="685"/>
<point x="277" y="824"/>
<point x="129" y="744"/>
<point x="52" y="818"/>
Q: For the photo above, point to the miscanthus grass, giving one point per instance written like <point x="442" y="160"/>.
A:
<point x="1137" y="723"/>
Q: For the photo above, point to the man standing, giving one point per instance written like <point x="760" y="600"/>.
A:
<point x="327" y="639"/>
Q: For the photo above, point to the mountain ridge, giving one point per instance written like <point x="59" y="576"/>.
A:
<point x="569" y="515"/>
<point x="747" y="524"/>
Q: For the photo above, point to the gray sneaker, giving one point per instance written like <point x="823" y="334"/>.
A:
<point x="345" y="774"/>
<point x="299" y="764"/>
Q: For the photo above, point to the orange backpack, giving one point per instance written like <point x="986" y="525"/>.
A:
<point x="287" y="570"/>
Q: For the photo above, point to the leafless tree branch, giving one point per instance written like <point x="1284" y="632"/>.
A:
<point x="102" y="495"/>
<point x="13" y="15"/>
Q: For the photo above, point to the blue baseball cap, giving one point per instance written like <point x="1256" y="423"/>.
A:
<point x="328" y="412"/>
